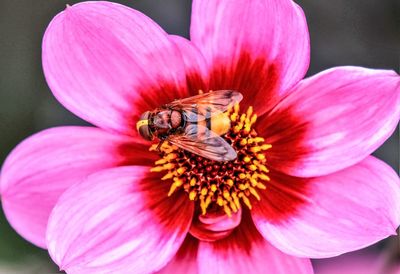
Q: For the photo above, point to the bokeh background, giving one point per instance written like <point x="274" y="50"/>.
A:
<point x="343" y="32"/>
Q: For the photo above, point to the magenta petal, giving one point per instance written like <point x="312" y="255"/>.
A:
<point x="245" y="251"/>
<point x="195" y="64"/>
<point x="107" y="63"/>
<point x="42" y="167"/>
<point x="343" y="211"/>
<point x="332" y="120"/>
<point x="118" y="221"/>
<point x="185" y="260"/>
<point x="265" y="42"/>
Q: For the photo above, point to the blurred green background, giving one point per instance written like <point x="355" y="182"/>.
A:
<point x="343" y="32"/>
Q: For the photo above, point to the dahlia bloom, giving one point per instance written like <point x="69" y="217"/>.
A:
<point x="307" y="189"/>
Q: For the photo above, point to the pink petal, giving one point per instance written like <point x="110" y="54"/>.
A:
<point x="185" y="260"/>
<point x="245" y="251"/>
<point x="342" y="212"/>
<point x="195" y="64"/>
<point x="108" y="63"/>
<point x="332" y="120"/>
<point x="118" y="221"/>
<point x="42" y="167"/>
<point x="260" y="47"/>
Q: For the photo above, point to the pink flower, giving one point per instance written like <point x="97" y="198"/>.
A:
<point x="87" y="193"/>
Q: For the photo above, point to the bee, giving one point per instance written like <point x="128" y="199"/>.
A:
<point x="194" y="124"/>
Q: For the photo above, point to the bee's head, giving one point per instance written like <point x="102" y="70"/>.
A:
<point x="143" y="126"/>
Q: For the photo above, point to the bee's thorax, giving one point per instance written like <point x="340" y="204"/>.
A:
<point x="176" y="119"/>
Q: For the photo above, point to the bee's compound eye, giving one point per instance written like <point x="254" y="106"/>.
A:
<point x="143" y="126"/>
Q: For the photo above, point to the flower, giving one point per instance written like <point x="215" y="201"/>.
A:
<point x="92" y="196"/>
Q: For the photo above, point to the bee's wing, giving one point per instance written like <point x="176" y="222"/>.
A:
<point x="204" y="106"/>
<point x="204" y="142"/>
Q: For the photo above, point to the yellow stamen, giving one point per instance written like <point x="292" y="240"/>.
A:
<point x="260" y="157"/>
<point x="192" y="195"/>
<point x="247" y="159"/>
<point x="254" y="192"/>
<point x="167" y="176"/>
<point x="169" y="166"/>
<point x="249" y="111"/>
<point x="261" y="186"/>
<point x="181" y="170"/>
<point x="266" y="146"/>
<point x="157" y="169"/>
<point x="161" y="161"/>
<point x="174" y="186"/>
<point x="263" y="177"/>
<point x="252" y="167"/>
<point x="227" y="211"/>
<point x="220" y="201"/>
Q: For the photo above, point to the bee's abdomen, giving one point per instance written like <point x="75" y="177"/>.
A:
<point x="220" y="124"/>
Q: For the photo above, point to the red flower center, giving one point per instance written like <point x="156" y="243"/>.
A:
<point x="226" y="185"/>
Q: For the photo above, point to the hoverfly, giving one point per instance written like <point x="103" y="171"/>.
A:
<point x="194" y="124"/>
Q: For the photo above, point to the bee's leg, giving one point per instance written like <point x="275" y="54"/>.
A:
<point x="160" y="144"/>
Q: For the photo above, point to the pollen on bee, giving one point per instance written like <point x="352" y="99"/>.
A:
<point x="228" y="185"/>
